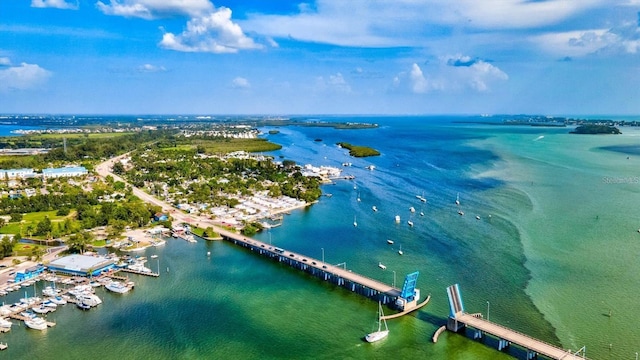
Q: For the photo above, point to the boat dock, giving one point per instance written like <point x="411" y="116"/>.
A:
<point x="137" y="272"/>
<point x="459" y="320"/>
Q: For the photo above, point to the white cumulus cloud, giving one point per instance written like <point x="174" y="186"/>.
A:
<point x="58" y="4"/>
<point x="5" y="61"/>
<point x="151" y="9"/>
<point x="214" y="32"/>
<point x="451" y="74"/>
<point x="240" y="83"/>
<point x="21" y="77"/>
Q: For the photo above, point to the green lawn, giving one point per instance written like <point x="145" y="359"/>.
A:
<point x="32" y="218"/>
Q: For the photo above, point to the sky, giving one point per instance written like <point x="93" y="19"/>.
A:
<point x="281" y="57"/>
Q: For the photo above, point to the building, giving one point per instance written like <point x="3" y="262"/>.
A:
<point x="17" y="174"/>
<point x="81" y="265"/>
<point x="29" y="273"/>
<point x="67" y="171"/>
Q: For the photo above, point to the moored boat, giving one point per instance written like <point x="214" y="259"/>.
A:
<point x="118" y="287"/>
<point x="380" y="334"/>
<point x="36" y="323"/>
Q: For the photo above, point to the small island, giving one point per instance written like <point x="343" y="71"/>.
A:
<point x="359" y="151"/>
<point x="596" y="129"/>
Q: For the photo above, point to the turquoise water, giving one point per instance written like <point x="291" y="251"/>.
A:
<point x="558" y="252"/>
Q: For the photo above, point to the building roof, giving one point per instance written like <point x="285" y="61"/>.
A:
<point x="64" y="170"/>
<point x="80" y="263"/>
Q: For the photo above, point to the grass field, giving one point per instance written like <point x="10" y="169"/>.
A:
<point x="32" y="218"/>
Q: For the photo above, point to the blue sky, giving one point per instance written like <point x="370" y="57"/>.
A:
<point x="553" y="57"/>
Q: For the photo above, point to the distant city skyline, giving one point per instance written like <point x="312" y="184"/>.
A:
<point x="405" y="57"/>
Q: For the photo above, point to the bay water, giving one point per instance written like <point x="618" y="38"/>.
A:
<point x="553" y="255"/>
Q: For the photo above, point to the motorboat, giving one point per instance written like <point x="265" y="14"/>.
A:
<point x="374" y="208"/>
<point x="36" y="323"/>
<point x="58" y="300"/>
<point x="118" y="287"/>
<point x="389" y="241"/>
<point x="410" y="222"/>
<point x="382" y="266"/>
<point x="5" y="323"/>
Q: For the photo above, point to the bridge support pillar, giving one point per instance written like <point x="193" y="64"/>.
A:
<point x="503" y="344"/>
<point x="477" y="335"/>
<point x="531" y="355"/>
<point x="454" y="325"/>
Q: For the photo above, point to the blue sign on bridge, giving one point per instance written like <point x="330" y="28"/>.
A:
<point x="409" y="287"/>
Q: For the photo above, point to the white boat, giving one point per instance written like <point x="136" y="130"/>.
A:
<point x="40" y="309"/>
<point x="397" y="218"/>
<point x="382" y="266"/>
<point x="370" y="167"/>
<point x="36" y="323"/>
<point x="380" y="334"/>
<point x="50" y="304"/>
<point x="374" y="208"/>
<point x="410" y="222"/>
<point x="58" y="300"/>
<point x="400" y="251"/>
<point x="421" y="213"/>
<point x="5" y="323"/>
<point x="412" y="209"/>
<point x="355" y="223"/>
<point x="460" y="212"/>
<point x="477" y="217"/>
<point x="153" y="256"/>
<point x="83" y="305"/>
<point x="117" y="287"/>
<point x="389" y="241"/>
<point x="139" y="267"/>
<point x="458" y="199"/>
<point x="358" y="197"/>
<point x="89" y="299"/>
<point x="49" y="291"/>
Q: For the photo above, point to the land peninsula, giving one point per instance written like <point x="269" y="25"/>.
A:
<point x="212" y="172"/>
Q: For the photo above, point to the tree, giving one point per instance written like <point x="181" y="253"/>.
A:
<point x="43" y="227"/>
<point x="118" y="168"/>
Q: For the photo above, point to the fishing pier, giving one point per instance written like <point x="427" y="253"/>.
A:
<point x="459" y="320"/>
<point x="404" y="299"/>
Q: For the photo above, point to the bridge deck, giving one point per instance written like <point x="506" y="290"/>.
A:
<point x="513" y="336"/>
<point x="318" y="264"/>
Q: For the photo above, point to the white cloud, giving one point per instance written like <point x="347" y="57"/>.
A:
<point x="409" y="22"/>
<point x="58" y="4"/>
<point x="577" y="43"/>
<point x="21" y="77"/>
<point x="151" y="9"/>
<point x="451" y="74"/>
<point x="334" y="83"/>
<point x="213" y="32"/>
<point x="5" y="61"/>
<point x="148" y="68"/>
<point x="240" y="83"/>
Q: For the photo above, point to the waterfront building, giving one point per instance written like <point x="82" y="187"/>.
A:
<point x="29" y="273"/>
<point x="81" y="265"/>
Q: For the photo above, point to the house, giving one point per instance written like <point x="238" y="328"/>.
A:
<point x="160" y="217"/>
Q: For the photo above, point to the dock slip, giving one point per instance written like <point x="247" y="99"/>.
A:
<point x="459" y="320"/>
<point x="404" y="299"/>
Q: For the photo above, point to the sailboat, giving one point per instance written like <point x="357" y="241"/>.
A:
<point x="355" y="223"/>
<point x="358" y="197"/>
<point x="458" y="199"/>
<point x="400" y="251"/>
<point x="380" y="334"/>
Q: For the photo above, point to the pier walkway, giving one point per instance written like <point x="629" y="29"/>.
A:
<point x="460" y="320"/>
